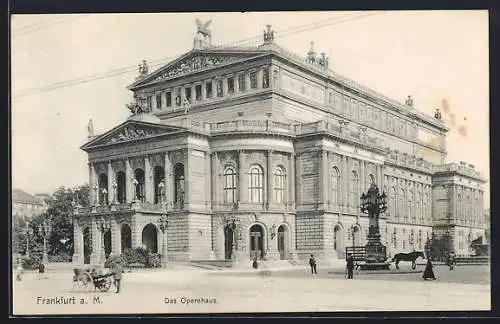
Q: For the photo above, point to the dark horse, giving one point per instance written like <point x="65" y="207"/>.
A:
<point x="412" y="256"/>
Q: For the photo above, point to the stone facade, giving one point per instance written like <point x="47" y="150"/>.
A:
<point x="254" y="152"/>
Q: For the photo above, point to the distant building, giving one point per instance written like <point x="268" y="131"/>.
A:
<point x="25" y="205"/>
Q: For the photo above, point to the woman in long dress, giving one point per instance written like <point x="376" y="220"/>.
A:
<point x="428" y="272"/>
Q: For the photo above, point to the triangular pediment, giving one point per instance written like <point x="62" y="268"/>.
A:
<point x="130" y="131"/>
<point x="196" y="61"/>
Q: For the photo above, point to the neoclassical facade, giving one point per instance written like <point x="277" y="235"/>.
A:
<point x="257" y="152"/>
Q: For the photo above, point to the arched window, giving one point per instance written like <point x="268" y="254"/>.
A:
<point x="401" y="207"/>
<point x="140" y="188"/>
<point x="229" y="185"/>
<point x="159" y="177"/>
<point x="179" y="183"/>
<point x="279" y="185"/>
<point x="256" y="184"/>
<point x="335" y="186"/>
<point x="354" y="189"/>
<point x="121" y="187"/>
<point x="392" y="202"/>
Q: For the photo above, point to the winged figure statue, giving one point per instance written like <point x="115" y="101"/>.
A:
<point x="203" y="28"/>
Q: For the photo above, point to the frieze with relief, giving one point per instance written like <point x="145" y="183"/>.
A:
<point x="196" y="63"/>
<point x="118" y="165"/>
<point x="101" y="168"/>
<point x="157" y="159"/>
<point x="131" y="132"/>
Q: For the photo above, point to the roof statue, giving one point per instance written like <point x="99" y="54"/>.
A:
<point x="138" y="106"/>
<point x="203" y="34"/>
<point x="323" y="60"/>
<point x="90" y="128"/>
<point x="437" y="114"/>
<point x="409" y="101"/>
<point x="311" y="55"/>
<point x="268" y="35"/>
<point x="143" y="69"/>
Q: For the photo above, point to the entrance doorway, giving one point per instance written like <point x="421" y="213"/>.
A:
<point x="257" y="242"/>
<point x="283" y="242"/>
<point x="228" y="241"/>
<point x="107" y="243"/>
<point x="150" y="238"/>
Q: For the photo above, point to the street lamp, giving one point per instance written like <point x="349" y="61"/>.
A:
<point x="104" y="226"/>
<point x="44" y="229"/>
<point x="114" y="185"/>
<point x="373" y="203"/>
<point x="234" y="222"/>
<point x="104" y="196"/>
<point x="135" y="183"/>
<point x="163" y="228"/>
<point x="77" y="189"/>
<point x="29" y="231"/>
<point x="161" y="186"/>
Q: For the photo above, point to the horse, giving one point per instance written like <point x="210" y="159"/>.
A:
<point x="412" y="256"/>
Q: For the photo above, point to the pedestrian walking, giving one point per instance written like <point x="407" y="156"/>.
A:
<point x="255" y="263"/>
<point x="451" y="260"/>
<point x="428" y="272"/>
<point x="350" y="266"/>
<point x="312" y="264"/>
<point x="41" y="270"/>
<point x="117" y="275"/>
<point x="19" y="273"/>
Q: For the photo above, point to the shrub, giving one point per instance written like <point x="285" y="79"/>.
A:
<point x="32" y="262"/>
<point x="153" y="260"/>
<point x="137" y="255"/>
<point x="62" y="257"/>
<point x="113" y="259"/>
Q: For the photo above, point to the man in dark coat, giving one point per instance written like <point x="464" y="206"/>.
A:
<point x="312" y="264"/>
<point x="428" y="272"/>
<point x="451" y="260"/>
<point x="350" y="266"/>
<point x="117" y="274"/>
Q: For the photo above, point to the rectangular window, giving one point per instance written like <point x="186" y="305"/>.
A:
<point x="253" y="80"/>
<point x="218" y="87"/>
<point x="230" y="85"/>
<point x="169" y="99"/>
<point x="241" y="82"/>
<point x="208" y="89"/>
<point x="197" y="89"/>
<point x="149" y="101"/>
<point x="158" y="101"/>
<point x="265" y="78"/>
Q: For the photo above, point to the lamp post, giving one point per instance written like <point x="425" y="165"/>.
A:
<point x="163" y="228"/>
<point x="233" y="221"/>
<point x="29" y="231"/>
<point x="373" y="203"/>
<point x="161" y="186"/>
<point x="114" y="185"/>
<point x="104" y="226"/>
<point x="44" y="229"/>
<point x="135" y="183"/>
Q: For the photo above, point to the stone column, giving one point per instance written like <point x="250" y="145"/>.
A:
<point x="224" y="86"/>
<point x="111" y="179"/>
<point x="129" y="191"/>
<point x="115" y="237"/>
<point x="362" y="177"/>
<point x="214" y="87"/>
<point x="203" y="91"/>
<point x="291" y="179"/>
<point x="215" y="183"/>
<point x="92" y="183"/>
<point x="77" y="245"/>
<point x="193" y="93"/>
<point x="269" y="185"/>
<point x="323" y="179"/>
<point x="260" y="73"/>
<point x="298" y="180"/>
<point x="187" y="177"/>
<point x="236" y="83"/>
<point x="208" y="187"/>
<point x="148" y="180"/>
<point x="241" y="177"/>
<point x="168" y="181"/>
<point x="96" y="242"/>
<point x="247" y="80"/>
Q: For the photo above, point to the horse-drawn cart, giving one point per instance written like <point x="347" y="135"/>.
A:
<point x="90" y="279"/>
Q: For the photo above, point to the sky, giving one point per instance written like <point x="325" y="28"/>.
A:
<point x="431" y="55"/>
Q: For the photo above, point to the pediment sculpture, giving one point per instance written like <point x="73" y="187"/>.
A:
<point x="195" y="63"/>
<point x="132" y="132"/>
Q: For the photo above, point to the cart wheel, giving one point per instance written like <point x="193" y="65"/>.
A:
<point x="85" y="282"/>
<point x="105" y="285"/>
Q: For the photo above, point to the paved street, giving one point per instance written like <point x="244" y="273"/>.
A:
<point x="288" y="291"/>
